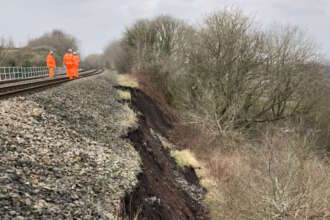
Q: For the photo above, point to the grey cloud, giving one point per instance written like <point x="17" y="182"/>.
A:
<point x="96" y="22"/>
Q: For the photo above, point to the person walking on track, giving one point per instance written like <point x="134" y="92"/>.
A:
<point x="76" y="61"/>
<point x="51" y="64"/>
<point x="68" y="63"/>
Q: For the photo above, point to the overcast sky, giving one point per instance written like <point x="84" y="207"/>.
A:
<point x="96" y="22"/>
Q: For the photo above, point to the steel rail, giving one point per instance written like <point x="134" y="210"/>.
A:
<point x="25" y="86"/>
<point x="37" y="77"/>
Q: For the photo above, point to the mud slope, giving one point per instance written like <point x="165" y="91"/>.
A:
<point x="165" y="191"/>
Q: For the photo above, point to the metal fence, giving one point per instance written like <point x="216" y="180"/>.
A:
<point x="15" y="73"/>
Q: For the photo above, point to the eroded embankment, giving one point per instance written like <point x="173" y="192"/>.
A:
<point x="165" y="190"/>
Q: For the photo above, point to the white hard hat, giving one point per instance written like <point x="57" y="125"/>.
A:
<point x="70" y="50"/>
<point x="75" y="52"/>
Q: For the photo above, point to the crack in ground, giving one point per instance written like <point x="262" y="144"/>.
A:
<point x="159" y="194"/>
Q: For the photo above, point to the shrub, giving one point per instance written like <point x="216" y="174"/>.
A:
<point x="278" y="179"/>
<point x="93" y="61"/>
<point x="116" y="56"/>
<point x="240" y="75"/>
<point x="157" y="46"/>
<point x="228" y="76"/>
<point x="228" y="72"/>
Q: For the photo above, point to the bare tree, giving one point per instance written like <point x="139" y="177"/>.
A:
<point x="4" y="46"/>
<point x="228" y="71"/>
<point x="93" y="61"/>
<point x="116" y="56"/>
<point x="2" y="54"/>
<point x="56" y="40"/>
<point x="239" y="75"/>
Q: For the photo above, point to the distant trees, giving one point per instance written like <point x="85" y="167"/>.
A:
<point x="56" y="40"/>
<point x="34" y="54"/>
<point x="228" y="72"/>
<point x="5" y="44"/>
<point x="116" y="56"/>
<point x="2" y="55"/>
<point x="93" y="61"/>
<point x="2" y="52"/>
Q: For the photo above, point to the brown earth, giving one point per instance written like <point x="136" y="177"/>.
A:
<point x="163" y="189"/>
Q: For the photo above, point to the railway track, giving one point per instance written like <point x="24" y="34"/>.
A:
<point x="22" y="86"/>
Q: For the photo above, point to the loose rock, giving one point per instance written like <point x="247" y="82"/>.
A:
<point x="61" y="155"/>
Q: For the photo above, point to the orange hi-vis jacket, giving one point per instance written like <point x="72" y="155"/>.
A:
<point x="51" y="61"/>
<point x="68" y="60"/>
<point x="76" y="61"/>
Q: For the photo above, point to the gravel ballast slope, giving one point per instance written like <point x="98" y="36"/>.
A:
<point x="61" y="155"/>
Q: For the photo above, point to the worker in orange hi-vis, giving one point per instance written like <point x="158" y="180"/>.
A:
<point x="76" y="61"/>
<point x="51" y="64"/>
<point x="68" y="63"/>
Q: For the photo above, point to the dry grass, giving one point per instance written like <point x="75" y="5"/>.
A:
<point x="129" y="118"/>
<point x="212" y="199"/>
<point x="165" y="142"/>
<point x="185" y="158"/>
<point x="278" y="179"/>
<point x="124" y="95"/>
<point x="127" y="80"/>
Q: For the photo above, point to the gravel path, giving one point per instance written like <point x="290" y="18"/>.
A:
<point x="61" y="155"/>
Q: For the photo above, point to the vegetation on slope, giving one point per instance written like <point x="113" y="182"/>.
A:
<point x="251" y="104"/>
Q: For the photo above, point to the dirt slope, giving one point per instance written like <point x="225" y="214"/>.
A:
<point x="165" y="191"/>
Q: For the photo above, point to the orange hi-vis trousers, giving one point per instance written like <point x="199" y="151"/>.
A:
<point x="70" y="72"/>
<point x="76" y="71"/>
<point x="51" y="72"/>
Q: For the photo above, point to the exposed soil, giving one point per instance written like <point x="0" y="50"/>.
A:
<point x="164" y="191"/>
